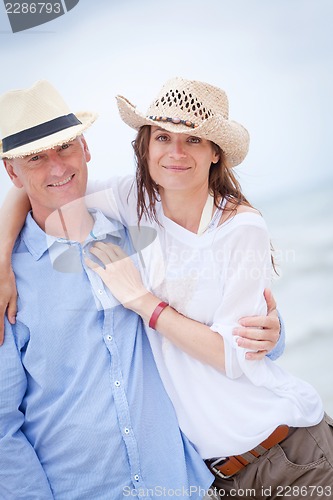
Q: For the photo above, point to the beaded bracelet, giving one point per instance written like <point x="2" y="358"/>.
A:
<point x="157" y="311"/>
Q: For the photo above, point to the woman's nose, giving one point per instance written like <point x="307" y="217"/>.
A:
<point x="177" y="149"/>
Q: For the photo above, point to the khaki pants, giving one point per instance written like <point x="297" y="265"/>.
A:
<point x="300" y="467"/>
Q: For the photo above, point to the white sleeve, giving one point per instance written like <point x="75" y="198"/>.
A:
<point x="246" y="272"/>
<point x="115" y="197"/>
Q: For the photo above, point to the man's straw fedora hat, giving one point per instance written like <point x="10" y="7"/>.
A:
<point x="37" y="118"/>
<point x="194" y="108"/>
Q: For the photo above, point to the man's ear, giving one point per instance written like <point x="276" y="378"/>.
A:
<point x="85" y="149"/>
<point x="9" y="166"/>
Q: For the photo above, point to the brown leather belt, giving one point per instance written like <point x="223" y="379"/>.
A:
<point x="227" y="467"/>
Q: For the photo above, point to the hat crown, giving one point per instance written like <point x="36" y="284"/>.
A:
<point x="36" y="119"/>
<point x="26" y="108"/>
<point x="190" y="100"/>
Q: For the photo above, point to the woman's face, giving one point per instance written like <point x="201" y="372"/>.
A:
<point x="180" y="161"/>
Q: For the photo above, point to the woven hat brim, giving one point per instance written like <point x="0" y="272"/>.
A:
<point x="53" y="140"/>
<point x="229" y="135"/>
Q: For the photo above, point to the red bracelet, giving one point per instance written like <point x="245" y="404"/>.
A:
<point x="157" y="311"/>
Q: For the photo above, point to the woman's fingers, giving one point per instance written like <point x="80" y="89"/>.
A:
<point x="114" y="252"/>
<point x="12" y="309"/>
<point x="8" y="300"/>
<point x="101" y="255"/>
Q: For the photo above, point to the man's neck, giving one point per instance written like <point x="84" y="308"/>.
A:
<point x="71" y="222"/>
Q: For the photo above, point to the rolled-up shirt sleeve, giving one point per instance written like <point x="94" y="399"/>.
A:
<point x="21" y="473"/>
<point x="247" y="272"/>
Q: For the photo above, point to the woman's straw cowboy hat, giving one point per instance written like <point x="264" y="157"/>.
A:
<point x="37" y="118"/>
<point x="194" y="108"/>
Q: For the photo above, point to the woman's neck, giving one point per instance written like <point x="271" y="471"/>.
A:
<point x="184" y="207"/>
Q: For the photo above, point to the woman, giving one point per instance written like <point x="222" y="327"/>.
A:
<point x="215" y="255"/>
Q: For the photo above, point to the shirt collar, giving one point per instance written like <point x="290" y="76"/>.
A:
<point x="38" y="242"/>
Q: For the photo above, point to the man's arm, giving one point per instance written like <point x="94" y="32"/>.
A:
<point x="21" y="474"/>
<point x="12" y="216"/>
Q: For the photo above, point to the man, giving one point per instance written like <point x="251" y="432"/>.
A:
<point x="83" y="413"/>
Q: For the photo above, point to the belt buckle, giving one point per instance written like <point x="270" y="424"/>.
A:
<point x="216" y="471"/>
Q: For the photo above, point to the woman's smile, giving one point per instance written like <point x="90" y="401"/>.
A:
<point x="176" y="168"/>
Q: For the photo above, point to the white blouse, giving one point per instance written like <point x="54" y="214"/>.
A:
<point x="215" y="278"/>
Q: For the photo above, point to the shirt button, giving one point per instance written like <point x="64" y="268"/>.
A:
<point x="126" y="430"/>
<point x="136" y="477"/>
<point x="109" y="337"/>
<point x="100" y="291"/>
<point x="84" y="252"/>
<point x="117" y="383"/>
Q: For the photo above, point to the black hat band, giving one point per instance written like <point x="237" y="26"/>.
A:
<point x="39" y="131"/>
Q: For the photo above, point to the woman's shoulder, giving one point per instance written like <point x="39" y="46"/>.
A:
<point x="241" y="225"/>
<point x="244" y="227"/>
<point x="239" y="213"/>
<point x="242" y="209"/>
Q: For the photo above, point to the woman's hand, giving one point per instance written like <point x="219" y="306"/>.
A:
<point x="8" y="297"/>
<point x="260" y="333"/>
<point x="118" y="273"/>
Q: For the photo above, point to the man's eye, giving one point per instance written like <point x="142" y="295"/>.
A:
<point x="34" y="158"/>
<point x="65" y="146"/>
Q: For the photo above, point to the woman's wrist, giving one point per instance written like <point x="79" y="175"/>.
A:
<point x="156" y="314"/>
<point x="144" y="305"/>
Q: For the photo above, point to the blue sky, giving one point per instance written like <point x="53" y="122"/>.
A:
<point x="273" y="58"/>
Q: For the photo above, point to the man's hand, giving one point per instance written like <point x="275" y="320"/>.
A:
<point x="259" y="333"/>
<point x="8" y="298"/>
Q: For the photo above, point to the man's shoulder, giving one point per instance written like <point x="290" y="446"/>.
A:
<point x="30" y="232"/>
<point x="19" y="244"/>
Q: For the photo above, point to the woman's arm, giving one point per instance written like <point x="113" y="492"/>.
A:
<point x="124" y="281"/>
<point x="12" y="216"/>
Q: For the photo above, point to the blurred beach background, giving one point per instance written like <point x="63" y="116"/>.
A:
<point x="301" y="226"/>
<point x="275" y="61"/>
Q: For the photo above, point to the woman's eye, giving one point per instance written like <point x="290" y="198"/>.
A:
<point x="162" y="138"/>
<point x="195" y="140"/>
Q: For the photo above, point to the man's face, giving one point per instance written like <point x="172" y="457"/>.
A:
<point x="52" y="177"/>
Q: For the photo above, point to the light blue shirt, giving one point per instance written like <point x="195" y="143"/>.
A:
<point x="280" y="346"/>
<point x="83" y="412"/>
